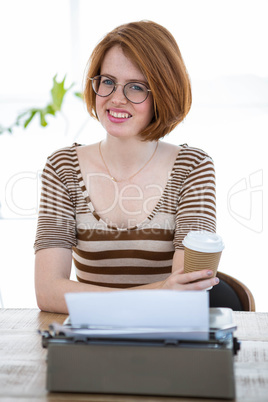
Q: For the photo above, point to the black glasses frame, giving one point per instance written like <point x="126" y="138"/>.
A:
<point x="115" y="88"/>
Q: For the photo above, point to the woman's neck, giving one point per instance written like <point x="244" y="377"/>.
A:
<point x="125" y="156"/>
<point x="127" y="151"/>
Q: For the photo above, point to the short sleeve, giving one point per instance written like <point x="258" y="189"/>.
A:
<point x="56" y="218"/>
<point x="197" y="201"/>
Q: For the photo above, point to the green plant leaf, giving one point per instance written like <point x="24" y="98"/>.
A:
<point x="8" y="129"/>
<point x="32" y="113"/>
<point x="49" y="109"/>
<point x="58" y="92"/>
<point x="43" y="121"/>
<point x="79" y="95"/>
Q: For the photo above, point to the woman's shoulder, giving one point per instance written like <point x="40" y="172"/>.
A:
<point x="193" y="156"/>
<point x="68" y="152"/>
<point x="63" y="160"/>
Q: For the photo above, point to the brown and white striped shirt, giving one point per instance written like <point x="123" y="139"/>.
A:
<point x="107" y="255"/>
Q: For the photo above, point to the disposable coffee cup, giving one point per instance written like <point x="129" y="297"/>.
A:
<point x="202" y="250"/>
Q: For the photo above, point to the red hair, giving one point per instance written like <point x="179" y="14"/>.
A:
<point x="154" y="50"/>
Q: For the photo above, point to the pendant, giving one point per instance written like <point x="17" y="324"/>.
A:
<point x="113" y="179"/>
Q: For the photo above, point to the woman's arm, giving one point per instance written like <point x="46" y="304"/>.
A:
<point x="52" y="279"/>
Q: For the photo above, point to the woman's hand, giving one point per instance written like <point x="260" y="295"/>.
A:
<point x="180" y="281"/>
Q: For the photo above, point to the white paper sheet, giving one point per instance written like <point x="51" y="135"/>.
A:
<point x="155" y="311"/>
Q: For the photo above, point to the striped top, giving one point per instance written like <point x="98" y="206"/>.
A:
<point x="107" y="255"/>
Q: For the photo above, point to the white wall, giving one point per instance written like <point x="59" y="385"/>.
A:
<point x="224" y="45"/>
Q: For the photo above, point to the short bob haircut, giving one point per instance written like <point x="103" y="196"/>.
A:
<point x="154" y="50"/>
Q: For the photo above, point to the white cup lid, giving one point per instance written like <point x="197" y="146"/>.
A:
<point x="203" y="241"/>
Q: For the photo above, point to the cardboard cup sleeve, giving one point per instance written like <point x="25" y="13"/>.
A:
<point x="197" y="261"/>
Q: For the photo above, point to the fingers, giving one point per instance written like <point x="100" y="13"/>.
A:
<point x="202" y="284"/>
<point x="195" y="276"/>
<point x="198" y="280"/>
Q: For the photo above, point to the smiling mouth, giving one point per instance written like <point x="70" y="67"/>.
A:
<point x="119" y="115"/>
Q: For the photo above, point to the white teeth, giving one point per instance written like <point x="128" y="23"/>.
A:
<point x="119" y="115"/>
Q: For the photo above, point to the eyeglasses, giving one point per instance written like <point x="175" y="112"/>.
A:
<point x="135" y="92"/>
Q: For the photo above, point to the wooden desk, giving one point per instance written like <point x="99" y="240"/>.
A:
<point x="23" y="360"/>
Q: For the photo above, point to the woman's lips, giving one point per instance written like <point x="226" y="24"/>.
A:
<point x="118" y="116"/>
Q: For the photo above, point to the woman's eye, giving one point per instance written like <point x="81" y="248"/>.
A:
<point x="138" y="88"/>
<point x="107" y="82"/>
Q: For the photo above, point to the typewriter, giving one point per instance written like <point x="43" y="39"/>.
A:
<point x="87" y="360"/>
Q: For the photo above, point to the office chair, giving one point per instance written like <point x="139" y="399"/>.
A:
<point x="231" y="293"/>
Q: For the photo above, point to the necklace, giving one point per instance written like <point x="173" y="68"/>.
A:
<point x="135" y="174"/>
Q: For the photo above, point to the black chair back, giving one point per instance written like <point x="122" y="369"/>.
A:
<point x="223" y="295"/>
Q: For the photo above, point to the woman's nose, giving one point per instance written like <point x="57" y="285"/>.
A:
<point x="118" y="96"/>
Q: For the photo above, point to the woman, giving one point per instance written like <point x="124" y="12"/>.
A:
<point x="122" y="207"/>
